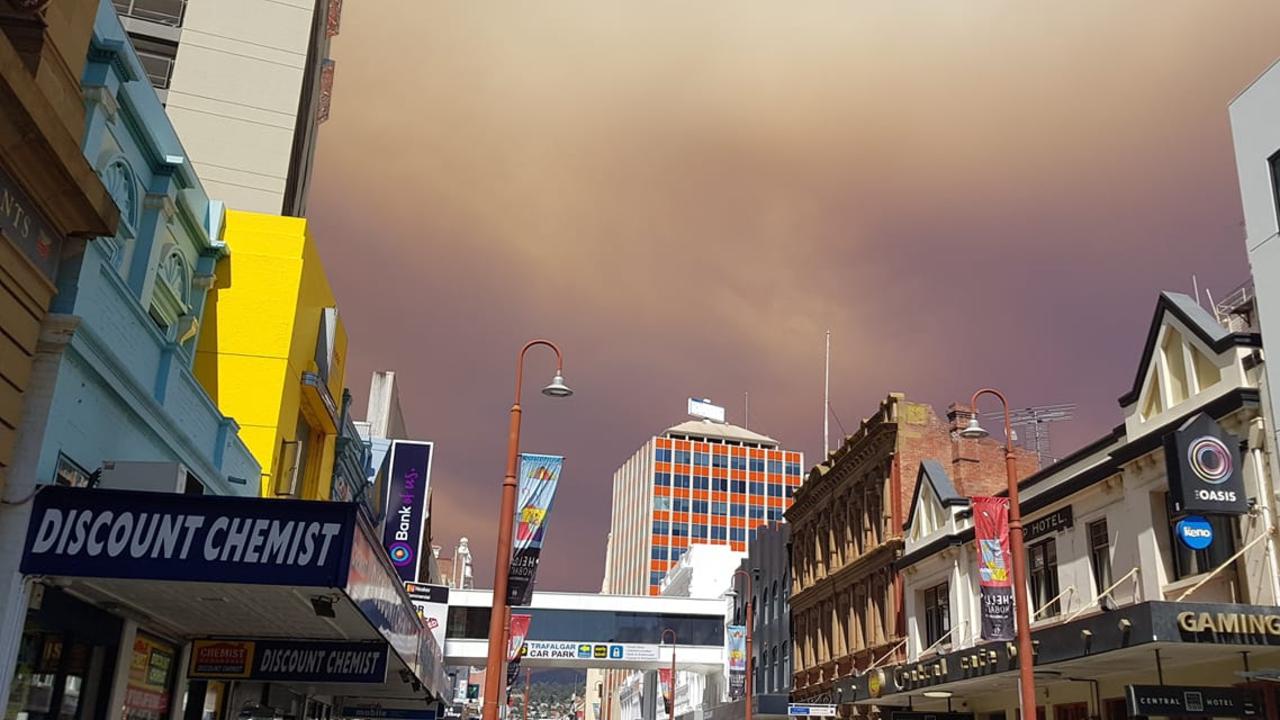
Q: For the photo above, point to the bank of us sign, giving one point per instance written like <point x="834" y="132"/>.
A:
<point x="1203" y="464"/>
<point x="409" y="463"/>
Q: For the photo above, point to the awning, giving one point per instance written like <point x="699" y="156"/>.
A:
<point x="1090" y="647"/>
<point x="202" y="567"/>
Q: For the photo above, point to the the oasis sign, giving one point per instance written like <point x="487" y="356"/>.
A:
<point x="1203" y="464"/>
<point x="78" y="532"/>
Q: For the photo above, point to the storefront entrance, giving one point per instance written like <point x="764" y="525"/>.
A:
<point x="65" y="662"/>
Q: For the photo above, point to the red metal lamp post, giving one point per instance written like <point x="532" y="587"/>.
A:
<point x="498" y="616"/>
<point x="1026" y="672"/>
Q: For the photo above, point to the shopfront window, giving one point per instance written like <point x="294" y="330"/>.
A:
<point x="151" y="672"/>
<point x="65" y="660"/>
<point x="1043" y="559"/>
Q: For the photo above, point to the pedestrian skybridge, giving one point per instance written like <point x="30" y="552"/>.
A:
<point x="579" y="630"/>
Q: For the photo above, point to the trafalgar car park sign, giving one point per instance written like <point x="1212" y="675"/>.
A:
<point x="568" y="650"/>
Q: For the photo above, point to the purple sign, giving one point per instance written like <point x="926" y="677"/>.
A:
<point x="410" y="463"/>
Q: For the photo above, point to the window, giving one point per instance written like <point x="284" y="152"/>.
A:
<point x="775" y="467"/>
<point x="700" y="531"/>
<point x="738" y="463"/>
<point x="757" y="488"/>
<point x="737" y="534"/>
<point x="660" y="527"/>
<point x="701" y="482"/>
<point x="662" y="455"/>
<point x="756" y="465"/>
<point x="679" y="530"/>
<point x="1100" y="555"/>
<point x="777" y="675"/>
<point x="738" y="510"/>
<point x="1044" y="579"/>
<point x="680" y="504"/>
<point x="719" y="508"/>
<point x="777" y="612"/>
<point x="1274" y="163"/>
<point x="720" y="484"/>
<point x="682" y="457"/>
<point x="164" y="12"/>
<point x="719" y="461"/>
<point x="157" y="58"/>
<point x="719" y="532"/>
<point x="1188" y="562"/>
<point x="661" y="502"/>
<point x="69" y="473"/>
<point x="775" y="513"/>
<point x="662" y="479"/>
<point x="757" y="512"/>
<point x="937" y="613"/>
<point x="700" y="506"/>
<point x="658" y="553"/>
<point x="701" y="459"/>
<point x="738" y="486"/>
<point x="786" y="663"/>
<point x="681" y="480"/>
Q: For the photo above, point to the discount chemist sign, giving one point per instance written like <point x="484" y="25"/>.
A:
<point x="78" y="532"/>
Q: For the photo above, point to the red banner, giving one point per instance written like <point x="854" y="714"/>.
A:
<point x="991" y="528"/>
<point x="519" y="628"/>
<point x="666" y="687"/>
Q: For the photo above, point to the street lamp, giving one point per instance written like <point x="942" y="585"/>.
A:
<point x="974" y="431"/>
<point x="746" y="685"/>
<point x="671" y="709"/>
<point x="494" y="676"/>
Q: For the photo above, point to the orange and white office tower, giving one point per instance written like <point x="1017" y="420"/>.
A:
<point x="703" y="481"/>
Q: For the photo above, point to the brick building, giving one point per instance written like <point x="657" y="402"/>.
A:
<point x="847" y="530"/>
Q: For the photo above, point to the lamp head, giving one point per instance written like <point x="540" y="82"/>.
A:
<point x="973" y="431"/>
<point x="557" y="388"/>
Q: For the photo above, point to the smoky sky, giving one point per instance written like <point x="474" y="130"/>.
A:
<point x="686" y="196"/>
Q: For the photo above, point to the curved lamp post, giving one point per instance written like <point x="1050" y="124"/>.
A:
<point x="494" y="674"/>
<point x="1026" y="676"/>
<point x="672" y="714"/>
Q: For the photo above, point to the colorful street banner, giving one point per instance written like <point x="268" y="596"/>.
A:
<point x="539" y="475"/>
<point x="666" y="686"/>
<point x="991" y="528"/>
<point x="736" y="639"/>
<point x="518" y="628"/>
<point x="301" y="661"/>
<point x="406" y="512"/>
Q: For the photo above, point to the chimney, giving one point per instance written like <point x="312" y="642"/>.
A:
<point x="964" y="452"/>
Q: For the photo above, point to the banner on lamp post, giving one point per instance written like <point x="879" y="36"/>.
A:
<point x="539" y="475"/>
<point x="406" y="511"/>
<point x="991" y="529"/>
<point x="666" y="685"/>
<point x="736" y="639"/>
<point x="519" y="628"/>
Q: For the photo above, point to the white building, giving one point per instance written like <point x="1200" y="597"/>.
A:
<point x="246" y="83"/>
<point x="1119" y="601"/>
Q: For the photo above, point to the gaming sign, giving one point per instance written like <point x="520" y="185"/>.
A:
<point x="1203" y="463"/>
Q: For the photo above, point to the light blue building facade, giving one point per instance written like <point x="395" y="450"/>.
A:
<point x="128" y="307"/>
<point x="111" y="392"/>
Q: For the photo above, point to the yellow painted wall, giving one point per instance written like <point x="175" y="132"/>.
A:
<point x="259" y="336"/>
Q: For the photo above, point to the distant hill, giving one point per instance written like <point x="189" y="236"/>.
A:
<point x="559" y="676"/>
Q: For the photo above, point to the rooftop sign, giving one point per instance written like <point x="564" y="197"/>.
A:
<point x="702" y="407"/>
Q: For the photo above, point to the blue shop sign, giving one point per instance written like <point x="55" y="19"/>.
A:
<point x="78" y="532"/>
<point x="301" y="661"/>
<point x="1195" y="532"/>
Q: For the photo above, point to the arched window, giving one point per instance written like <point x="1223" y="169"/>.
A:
<point x="170" y="299"/>
<point x="777" y="612"/>
<point x="119" y="180"/>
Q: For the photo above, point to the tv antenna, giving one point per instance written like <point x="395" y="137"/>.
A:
<point x="1034" y="422"/>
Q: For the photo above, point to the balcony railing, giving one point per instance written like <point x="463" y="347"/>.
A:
<point x="164" y="12"/>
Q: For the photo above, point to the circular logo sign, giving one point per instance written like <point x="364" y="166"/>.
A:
<point x="1209" y="459"/>
<point x="875" y="682"/>
<point x="1195" y="532"/>
<point x="401" y="554"/>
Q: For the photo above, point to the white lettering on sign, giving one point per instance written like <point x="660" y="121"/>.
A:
<point x="92" y="533"/>
<point x="405" y="514"/>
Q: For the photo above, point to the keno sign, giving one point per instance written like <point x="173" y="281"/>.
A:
<point x="78" y="532"/>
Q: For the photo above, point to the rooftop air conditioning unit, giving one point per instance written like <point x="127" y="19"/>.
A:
<point x="168" y="477"/>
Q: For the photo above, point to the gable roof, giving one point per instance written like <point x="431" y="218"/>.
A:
<point x="1199" y="321"/>
<point x="932" y="472"/>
